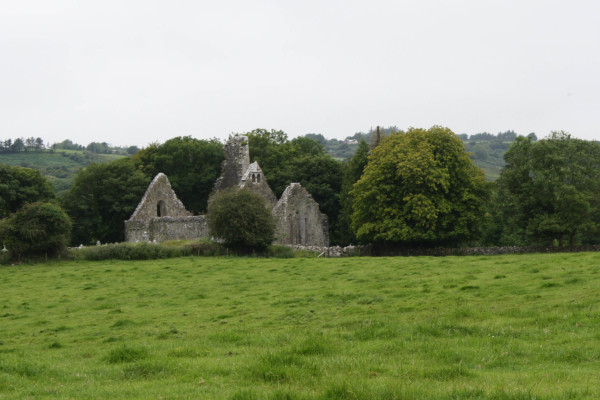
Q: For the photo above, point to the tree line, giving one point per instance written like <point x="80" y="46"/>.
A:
<point x="22" y="144"/>
<point x="37" y="144"/>
<point x="413" y="188"/>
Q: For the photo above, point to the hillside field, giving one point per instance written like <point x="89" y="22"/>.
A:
<point x="58" y="167"/>
<point x="495" y="327"/>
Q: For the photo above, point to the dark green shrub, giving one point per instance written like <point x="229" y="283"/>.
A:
<point x="37" y="229"/>
<point x="242" y="220"/>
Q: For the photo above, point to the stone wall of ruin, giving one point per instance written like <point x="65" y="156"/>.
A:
<point x="158" y="230"/>
<point x="299" y="220"/>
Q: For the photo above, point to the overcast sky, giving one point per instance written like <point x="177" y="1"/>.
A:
<point x="135" y="72"/>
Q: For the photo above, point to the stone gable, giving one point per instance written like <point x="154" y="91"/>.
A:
<point x="254" y="179"/>
<point x="159" y="201"/>
<point x="299" y="220"/>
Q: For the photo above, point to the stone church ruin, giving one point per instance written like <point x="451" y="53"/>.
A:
<point x="160" y="215"/>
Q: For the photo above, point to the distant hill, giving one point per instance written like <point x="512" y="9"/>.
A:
<point x="487" y="150"/>
<point x="488" y="155"/>
<point x="60" y="166"/>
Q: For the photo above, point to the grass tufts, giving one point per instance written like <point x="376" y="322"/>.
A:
<point x="278" y="251"/>
<point x="122" y="323"/>
<point x="145" y="369"/>
<point x="313" y="346"/>
<point x="282" y="366"/>
<point x="125" y="354"/>
<point x="244" y="394"/>
<point x="546" y="285"/>
<point x="469" y="287"/>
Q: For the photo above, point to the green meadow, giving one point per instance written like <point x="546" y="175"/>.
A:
<point x="496" y="327"/>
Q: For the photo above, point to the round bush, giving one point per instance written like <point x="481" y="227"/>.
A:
<point x="242" y="219"/>
<point x="36" y="229"/>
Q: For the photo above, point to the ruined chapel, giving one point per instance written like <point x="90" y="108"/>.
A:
<point x="160" y="215"/>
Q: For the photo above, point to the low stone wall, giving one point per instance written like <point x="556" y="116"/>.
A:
<point x="158" y="230"/>
<point x="334" y="251"/>
<point x="390" y="250"/>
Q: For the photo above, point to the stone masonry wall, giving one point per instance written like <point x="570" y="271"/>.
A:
<point x="162" y="229"/>
<point x="235" y="163"/>
<point x="299" y="220"/>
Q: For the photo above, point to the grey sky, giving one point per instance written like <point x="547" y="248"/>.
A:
<point x="134" y="72"/>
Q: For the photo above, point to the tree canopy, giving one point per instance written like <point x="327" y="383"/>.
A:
<point x="419" y="187"/>
<point x="19" y="185"/>
<point x="101" y="198"/>
<point x="549" y="190"/>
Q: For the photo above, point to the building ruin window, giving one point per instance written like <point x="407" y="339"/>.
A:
<point x="161" y="209"/>
<point x="258" y="178"/>
<point x="253" y="178"/>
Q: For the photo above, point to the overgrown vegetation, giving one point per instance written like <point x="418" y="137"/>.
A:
<point x="495" y="327"/>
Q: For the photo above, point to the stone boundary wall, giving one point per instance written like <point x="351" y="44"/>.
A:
<point x="334" y="251"/>
<point x="390" y="251"/>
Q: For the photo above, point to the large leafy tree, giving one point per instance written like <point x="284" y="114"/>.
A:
<point x="419" y="187"/>
<point x="241" y="219"/>
<point x="19" y="186"/>
<point x="192" y="166"/>
<point x="101" y="198"/>
<point x="549" y="191"/>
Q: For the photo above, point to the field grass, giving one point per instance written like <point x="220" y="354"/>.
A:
<point x="497" y="327"/>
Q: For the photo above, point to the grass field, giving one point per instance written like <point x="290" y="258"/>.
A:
<point x="497" y="327"/>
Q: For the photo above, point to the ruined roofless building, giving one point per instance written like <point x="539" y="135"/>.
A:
<point x="161" y="216"/>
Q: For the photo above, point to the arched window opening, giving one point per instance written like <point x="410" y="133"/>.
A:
<point x="161" y="209"/>
<point x="258" y="178"/>
<point x="253" y="178"/>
